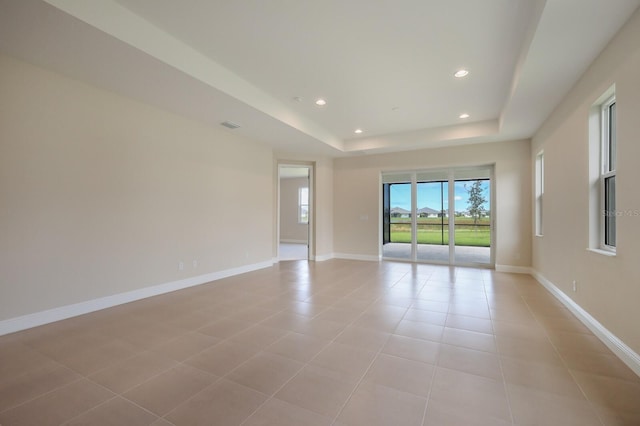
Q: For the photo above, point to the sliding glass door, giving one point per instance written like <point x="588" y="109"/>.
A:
<point x="441" y="216"/>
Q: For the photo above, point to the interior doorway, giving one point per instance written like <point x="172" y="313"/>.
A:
<point x="294" y="211"/>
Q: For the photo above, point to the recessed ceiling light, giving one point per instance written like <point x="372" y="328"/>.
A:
<point x="465" y="115"/>
<point x="321" y="102"/>
<point x="358" y="131"/>
<point x="461" y="73"/>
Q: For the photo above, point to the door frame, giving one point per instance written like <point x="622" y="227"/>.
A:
<point x="311" y="224"/>
<point x="450" y="171"/>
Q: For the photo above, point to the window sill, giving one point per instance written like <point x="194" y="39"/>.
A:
<point x="602" y="252"/>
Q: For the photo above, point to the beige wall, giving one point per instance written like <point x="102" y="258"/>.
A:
<point x="608" y="287"/>
<point x="290" y="229"/>
<point x="358" y="190"/>
<point x="102" y="195"/>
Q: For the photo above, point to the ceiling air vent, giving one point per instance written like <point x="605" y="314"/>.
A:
<point x="230" y="124"/>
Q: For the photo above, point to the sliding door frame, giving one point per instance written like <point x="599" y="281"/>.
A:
<point x="451" y="179"/>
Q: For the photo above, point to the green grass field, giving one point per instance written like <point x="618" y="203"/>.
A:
<point x="430" y="231"/>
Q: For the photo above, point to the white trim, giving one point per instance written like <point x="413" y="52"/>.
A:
<point x="348" y="256"/>
<point x="288" y="241"/>
<point x="24" y="322"/>
<point x="324" y="257"/>
<point x="602" y="252"/>
<point x="513" y="269"/>
<point x="617" y="346"/>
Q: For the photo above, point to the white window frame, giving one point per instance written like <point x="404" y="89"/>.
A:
<point x="303" y="201"/>
<point x="539" y="193"/>
<point x="607" y="171"/>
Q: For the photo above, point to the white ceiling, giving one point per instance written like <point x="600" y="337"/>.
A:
<point x="384" y="66"/>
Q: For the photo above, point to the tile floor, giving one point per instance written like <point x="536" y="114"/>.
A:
<point x="331" y="343"/>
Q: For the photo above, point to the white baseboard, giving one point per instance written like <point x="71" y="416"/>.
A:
<point x="513" y="269"/>
<point x="348" y="256"/>
<point x="617" y="346"/>
<point x="24" y="322"/>
<point x="324" y="257"/>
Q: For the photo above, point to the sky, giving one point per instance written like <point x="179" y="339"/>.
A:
<point x="429" y="195"/>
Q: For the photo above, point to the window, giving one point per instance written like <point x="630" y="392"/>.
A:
<point x="608" y="174"/>
<point x="303" y="205"/>
<point x="539" y="192"/>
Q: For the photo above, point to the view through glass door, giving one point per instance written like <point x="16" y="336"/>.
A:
<point x="420" y="224"/>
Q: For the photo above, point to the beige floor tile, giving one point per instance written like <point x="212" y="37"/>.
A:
<point x="259" y="336"/>
<point x="253" y="315"/>
<point x="616" y="417"/>
<point x="265" y="372"/>
<point x="470" y="361"/>
<point x="89" y="359"/>
<point x="419" y="330"/>
<point x="528" y="350"/>
<point x="132" y="372"/>
<point x="185" y="346"/>
<point x="286" y="321"/>
<point x="449" y="413"/>
<point x="305" y="309"/>
<point x="224" y="328"/>
<point x="322" y="329"/>
<point x="162" y="422"/>
<point x="610" y="393"/>
<point x="401" y="374"/>
<point x="530" y="331"/>
<point x="348" y="361"/>
<point x="463" y="322"/>
<point x="414" y="349"/>
<point x="469" y="339"/>
<point x="15" y="390"/>
<point x="317" y="389"/>
<point x="477" y="309"/>
<point x="115" y="412"/>
<point x="470" y="392"/>
<point x="542" y="377"/>
<point x="579" y="342"/>
<point x="299" y="347"/>
<point x="364" y="338"/>
<point x="341" y="316"/>
<point x="58" y="406"/>
<point x="280" y="413"/>
<point x="532" y="407"/>
<point x="169" y="389"/>
<point x="513" y="314"/>
<point x="571" y="325"/>
<point x="429" y="317"/>
<point x="431" y="305"/>
<point x="598" y="363"/>
<point x="146" y="335"/>
<point x="223" y="403"/>
<point x="222" y="358"/>
<point x="373" y="404"/>
<point x="457" y="336"/>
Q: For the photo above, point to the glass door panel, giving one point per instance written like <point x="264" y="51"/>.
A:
<point x="432" y="221"/>
<point x="397" y="217"/>
<point x="472" y="239"/>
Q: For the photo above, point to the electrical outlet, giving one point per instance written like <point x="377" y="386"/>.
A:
<point x="195" y="264"/>
<point x="575" y="286"/>
<point x="180" y="266"/>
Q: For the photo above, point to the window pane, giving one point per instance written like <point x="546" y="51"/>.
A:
<point x="610" y="211"/>
<point x="612" y="137"/>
